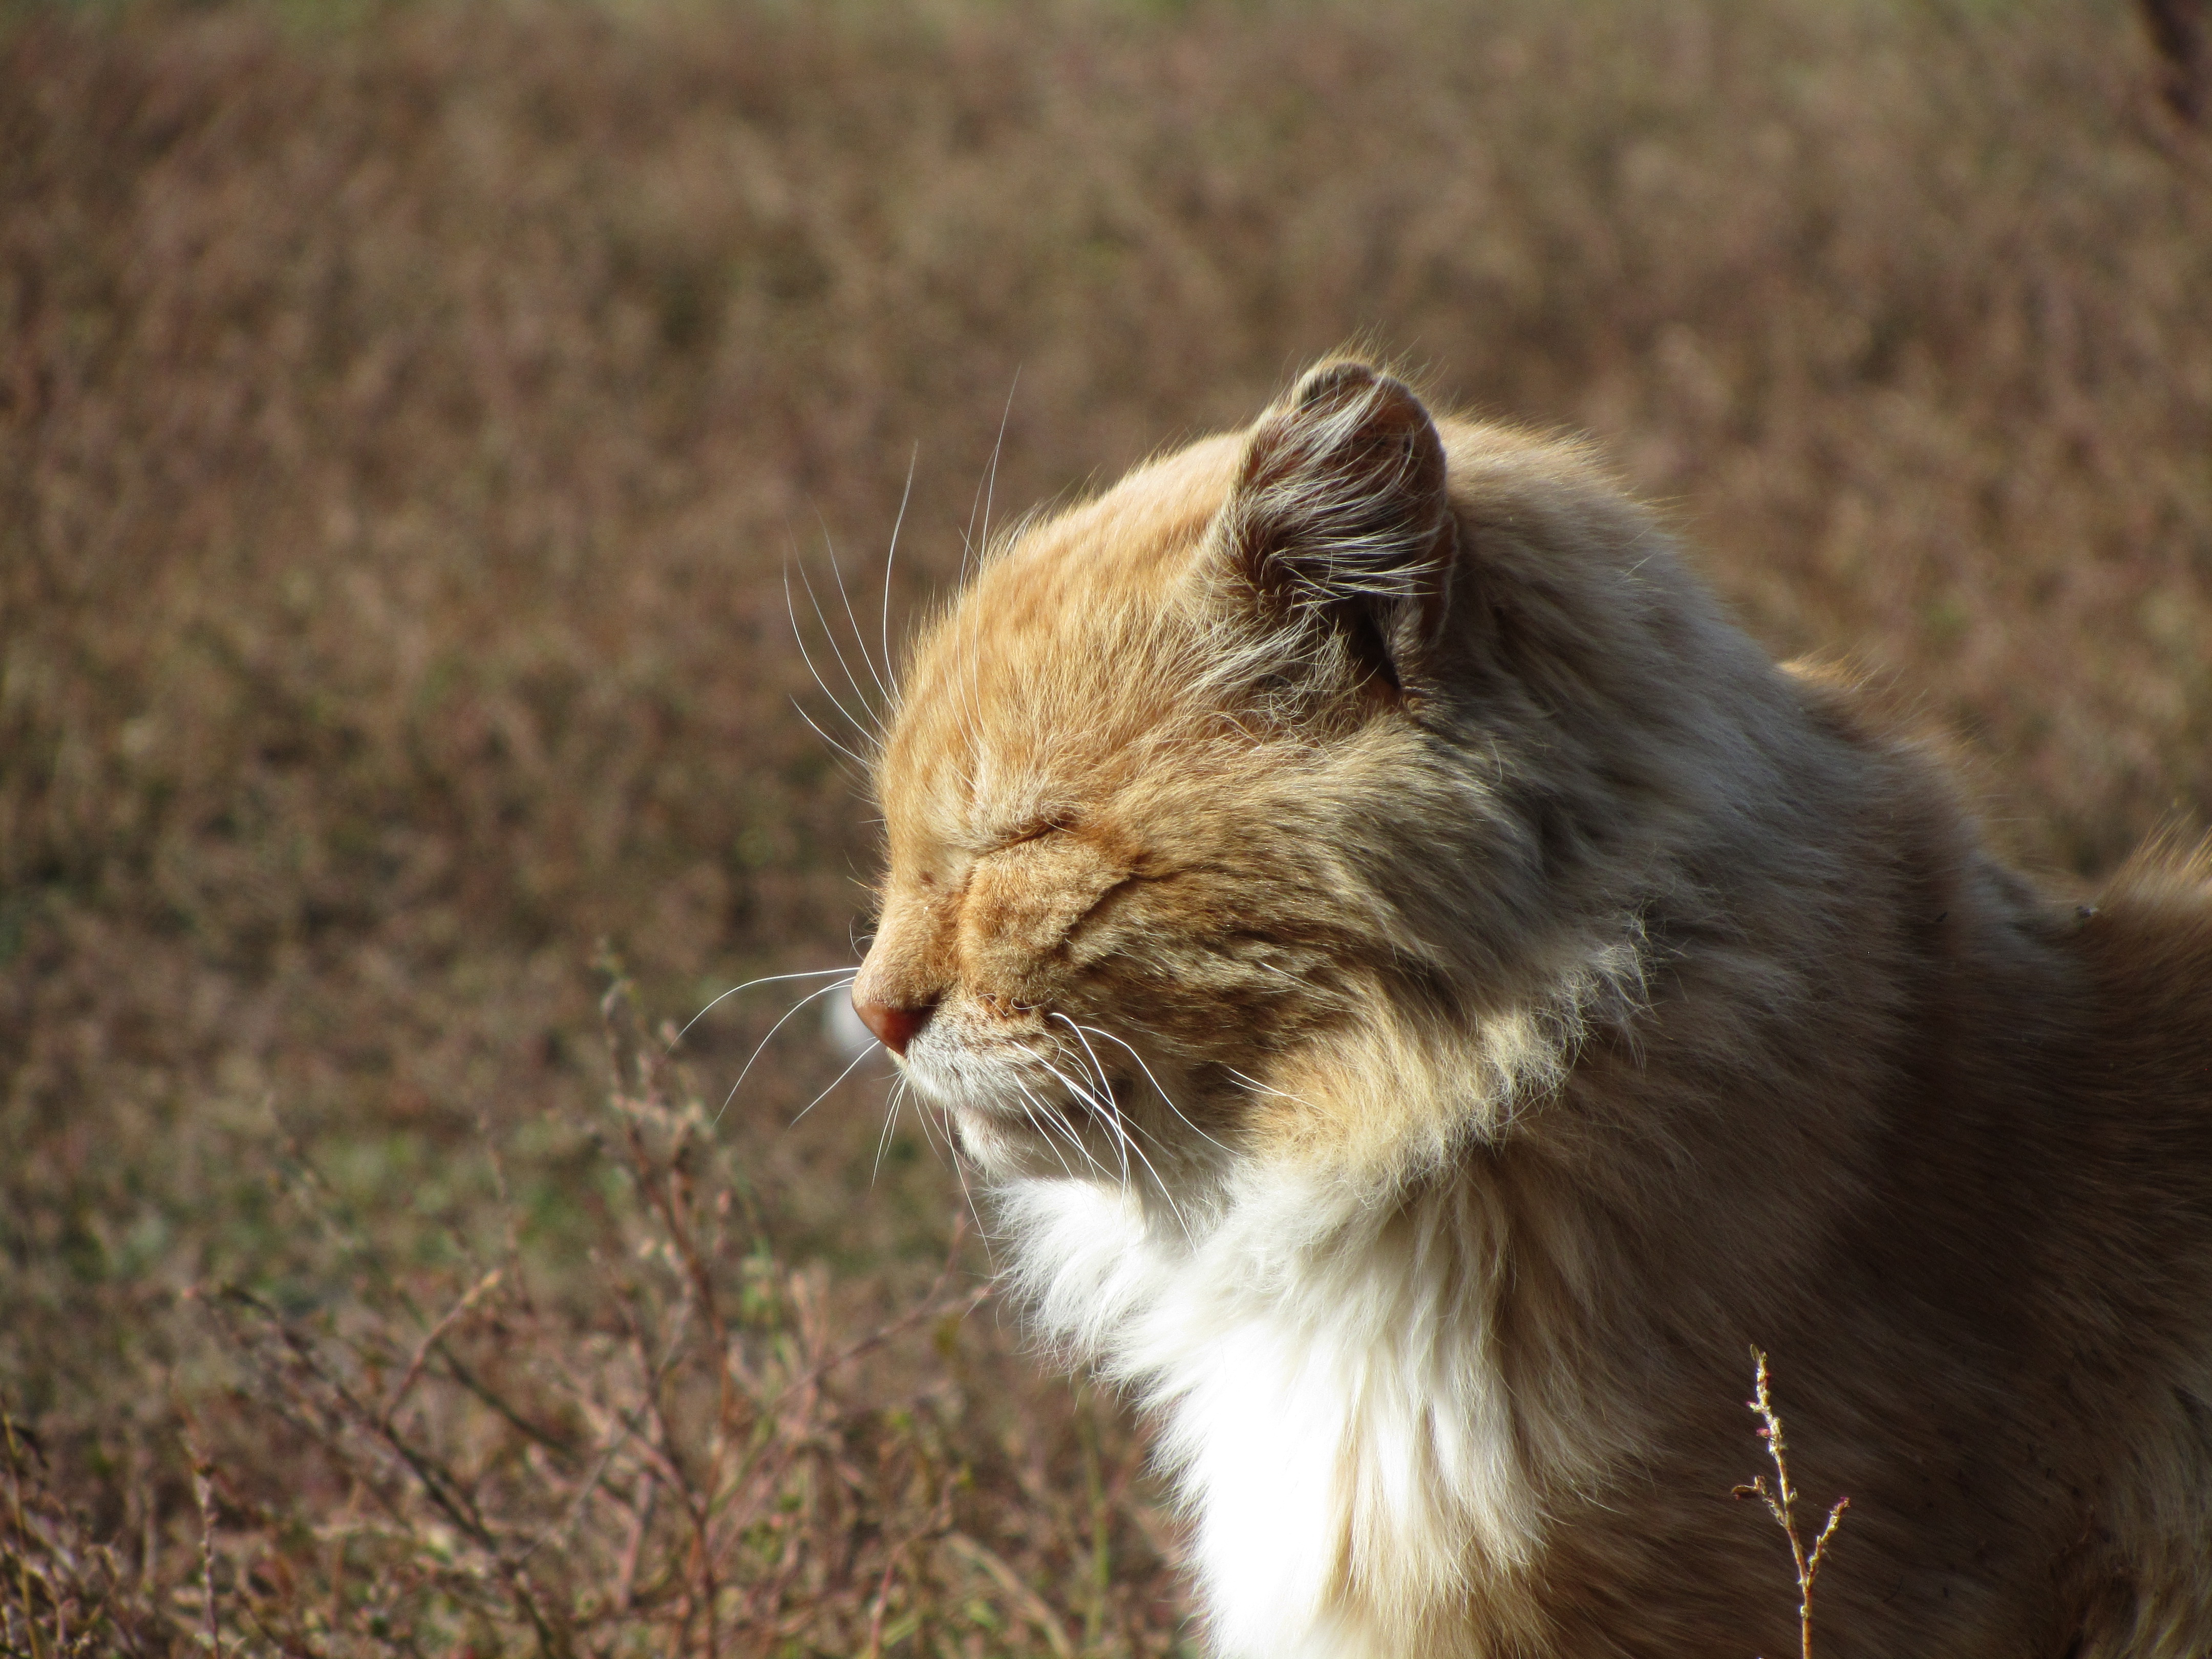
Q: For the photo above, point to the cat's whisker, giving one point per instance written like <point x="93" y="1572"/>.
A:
<point x="1100" y="1104"/>
<point x="969" y="707"/>
<point x="988" y="485"/>
<point x="923" y="1111"/>
<point x="766" y="979"/>
<point x="1120" y="1149"/>
<point x="1104" y="1109"/>
<point x="884" y="1141"/>
<point x="1100" y="1098"/>
<point x="1123" y="1146"/>
<point x="902" y="1087"/>
<point x="1258" y="1087"/>
<point x="891" y="558"/>
<point x="1122" y="1123"/>
<point x="902" y="1093"/>
<point x="868" y="735"/>
<point x="747" y="1071"/>
<point x="865" y="725"/>
<point x="1054" y="1121"/>
<point x="859" y="640"/>
<point x="1159" y="1182"/>
<point x="1097" y="1067"/>
<point x="1126" y="1129"/>
<point x="986" y="490"/>
<point x="873" y="727"/>
<point x="1166" y="1099"/>
<point x="959" y="1174"/>
<point x="1040" y="1117"/>
<point x="1048" y="1121"/>
<point x="857" y="760"/>
<point x="851" y="1066"/>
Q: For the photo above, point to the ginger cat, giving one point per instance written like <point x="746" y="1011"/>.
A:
<point x="1425" y="995"/>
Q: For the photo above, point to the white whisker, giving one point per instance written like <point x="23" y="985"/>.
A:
<point x="986" y="485"/>
<point x="859" y="640"/>
<point x="1254" y="1083"/>
<point x="965" y="655"/>
<point x="997" y="446"/>
<point x="891" y="558"/>
<point x="857" y="760"/>
<point x="839" y="985"/>
<point x="791" y="608"/>
<point x="768" y="979"/>
<point x="829" y="633"/>
<point x="1128" y="1140"/>
<point x="1097" y="1066"/>
<point x="1053" y="1120"/>
<point x="834" y="1082"/>
<point x="882" y="1140"/>
<point x="1092" y="1102"/>
<point x="1166" y="1099"/>
<point x="1042" y="1125"/>
<point x="960" y="1174"/>
<point x="1110" y="1114"/>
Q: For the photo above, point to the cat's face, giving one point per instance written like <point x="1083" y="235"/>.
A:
<point x="1194" y="842"/>
<point x="1119" y="891"/>
<point x="1075" y="866"/>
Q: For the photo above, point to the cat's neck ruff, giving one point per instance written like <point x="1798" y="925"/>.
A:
<point x="1322" y="1367"/>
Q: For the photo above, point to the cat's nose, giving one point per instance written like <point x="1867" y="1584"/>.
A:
<point x="895" y="1027"/>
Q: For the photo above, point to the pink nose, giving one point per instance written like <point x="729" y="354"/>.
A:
<point x="894" y="1027"/>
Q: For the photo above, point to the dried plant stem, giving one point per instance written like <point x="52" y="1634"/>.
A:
<point x="940" y="1519"/>
<point x="452" y="1317"/>
<point x="22" y="1535"/>
<point x="203" y="1495"/>
<point x="1781" y="1500"/>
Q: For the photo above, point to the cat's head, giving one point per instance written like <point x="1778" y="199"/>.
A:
<point x="1286" y="800"/>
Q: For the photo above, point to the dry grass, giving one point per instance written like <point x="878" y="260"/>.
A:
<point x="405" y="418"/>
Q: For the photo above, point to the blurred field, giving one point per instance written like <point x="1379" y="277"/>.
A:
<point x="407" y="417"/>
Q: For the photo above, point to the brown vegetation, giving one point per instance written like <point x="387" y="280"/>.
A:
<point x="405" y="424"/>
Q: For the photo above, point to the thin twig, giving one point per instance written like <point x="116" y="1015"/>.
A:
<point x="940" y="1519"/>
<point x="1026" y="1600"/>
<point x="444" y="1489"/>
<point x="203" y="1495"/>
<point x="928" y="1305"/>
<point x="23" y="1534"/>
<point x="453" y="1316"/>
<point x="1781" y="1501"/>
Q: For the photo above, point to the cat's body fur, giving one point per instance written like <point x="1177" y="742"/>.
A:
<point x="1427" y="996"/>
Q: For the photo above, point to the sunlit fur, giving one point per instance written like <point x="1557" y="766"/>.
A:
<point x="1424" y="994"/>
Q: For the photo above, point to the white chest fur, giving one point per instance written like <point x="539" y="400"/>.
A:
<point x="1333" y="1417"/>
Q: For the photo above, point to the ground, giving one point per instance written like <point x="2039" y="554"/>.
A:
<point x="408" y="417"/>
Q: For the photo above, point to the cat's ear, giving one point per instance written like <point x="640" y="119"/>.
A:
<point x="1339" y="510"/>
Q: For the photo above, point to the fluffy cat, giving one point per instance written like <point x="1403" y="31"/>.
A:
<point x="1425" y="995"/>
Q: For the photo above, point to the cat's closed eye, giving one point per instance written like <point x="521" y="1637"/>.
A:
<point x="1035" y="828"/>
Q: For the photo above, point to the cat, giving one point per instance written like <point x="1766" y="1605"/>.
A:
<point x="1424" y="994"/>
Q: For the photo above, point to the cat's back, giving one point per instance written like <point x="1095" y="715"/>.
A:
<point x="2142" y="1109"/>
<point x="2147" y="943"/>
<point x="2144" y="1090"/>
